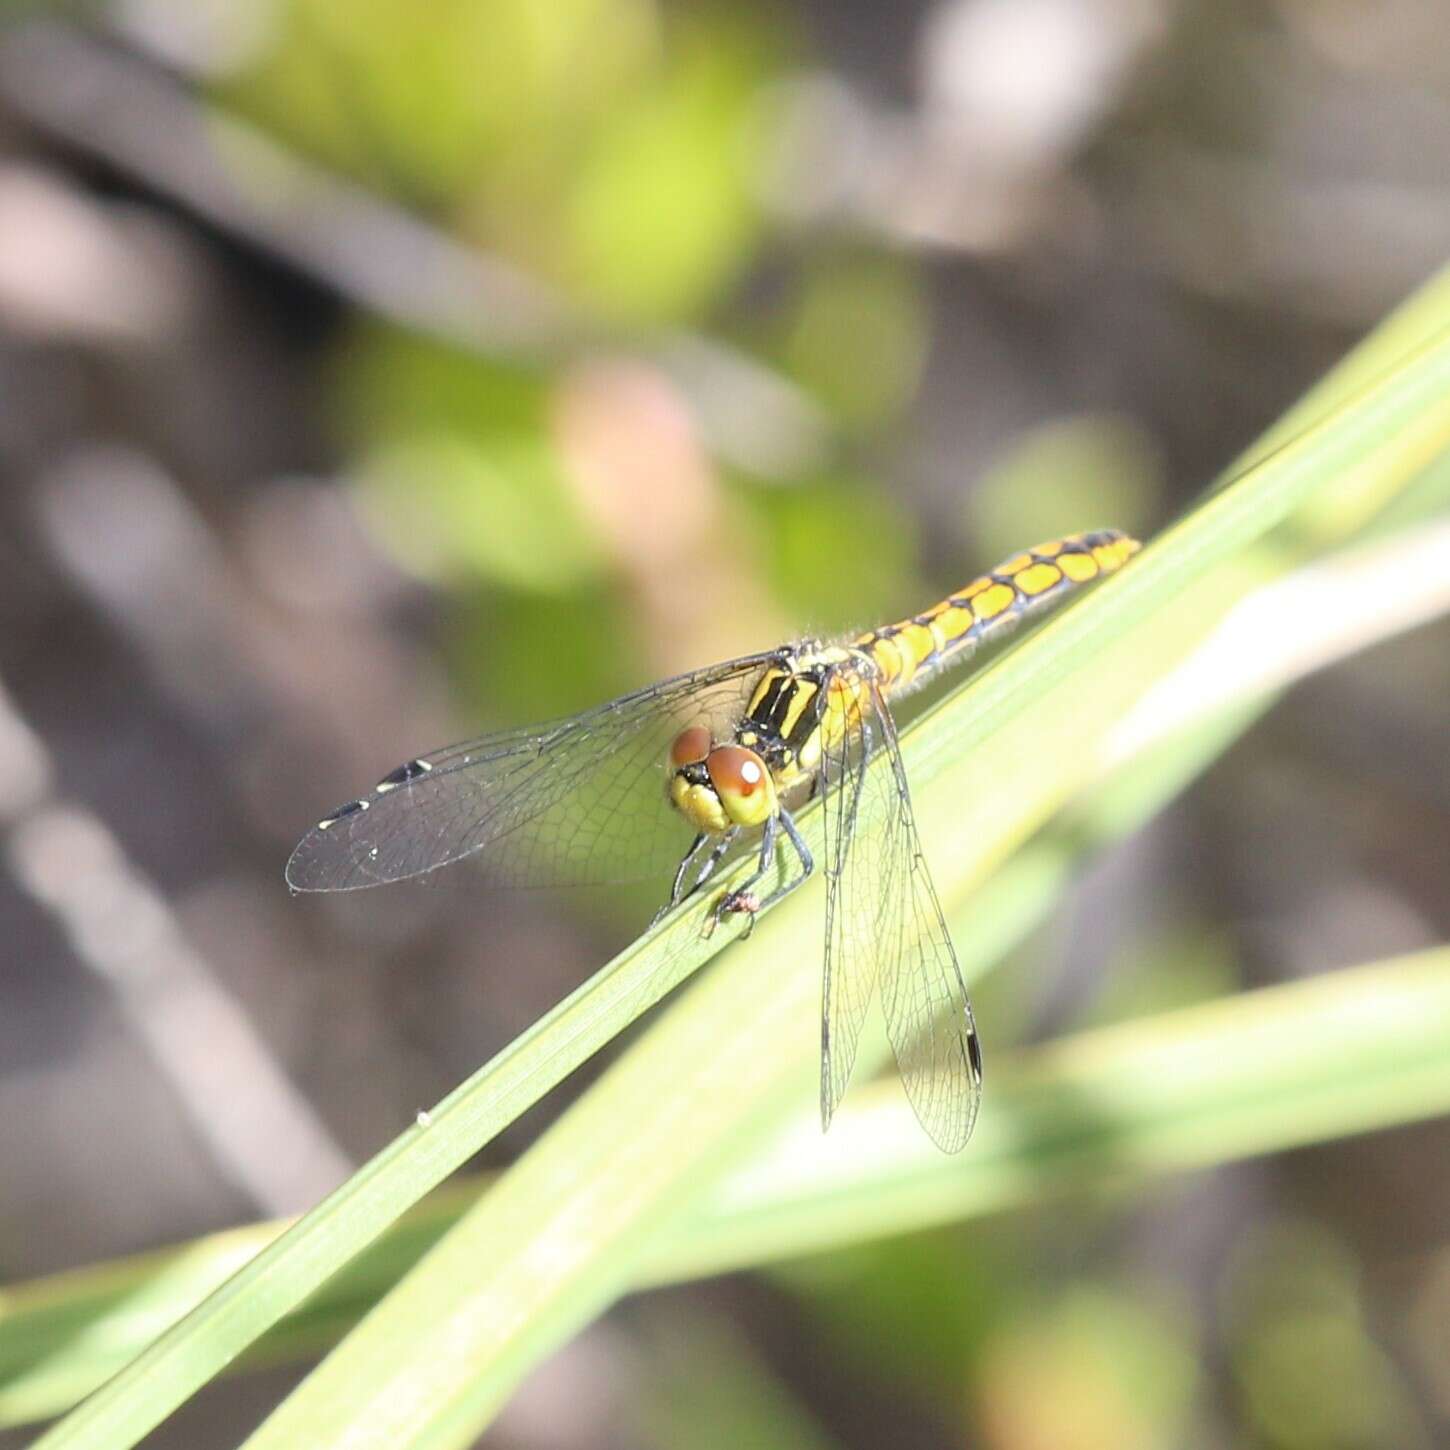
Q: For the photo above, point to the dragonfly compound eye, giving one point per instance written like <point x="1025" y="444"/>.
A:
<point x="690" y="747"/>
<point x="743" y="784"/>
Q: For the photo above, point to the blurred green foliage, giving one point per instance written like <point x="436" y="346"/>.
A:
<point x="459" y="509"/>
<point x="606" y="143"/>
<point x="854" y="331"/>
<point x="1090" y="1365"/>
<point x="609" y="146"/>
<point x="1307" y="1367"/>
<point x="1076" y="1366"/>
<point x="1071" y="473"/>
<point x="461" y="478"/>
<point x="712" y="1391"/>
<point x="838" y="554"/>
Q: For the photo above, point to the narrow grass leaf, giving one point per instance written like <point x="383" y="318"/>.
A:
<point x="565" y="1231"/>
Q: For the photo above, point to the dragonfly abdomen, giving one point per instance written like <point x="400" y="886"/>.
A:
<point x="913" y="650"/>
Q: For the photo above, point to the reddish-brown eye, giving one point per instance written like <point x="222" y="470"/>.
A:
<point x="735" y="771"/>
<point x="690" y="747"/>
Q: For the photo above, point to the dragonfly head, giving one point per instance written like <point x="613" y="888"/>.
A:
<point x="718" y="786"/>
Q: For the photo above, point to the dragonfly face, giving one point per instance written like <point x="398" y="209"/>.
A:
<point x="716" y="787"/>
<point x="772" y="752"/>
<point x="742" y="744"/>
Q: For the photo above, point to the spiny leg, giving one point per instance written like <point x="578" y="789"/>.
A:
<point x="807" y="865"/>
<point x="735" y="901"/>
<point x="678" y="891"/>
<point x="714" y="859"/>
<point x="743" y="899"/>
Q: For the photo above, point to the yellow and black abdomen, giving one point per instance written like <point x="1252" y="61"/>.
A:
<point x="910" y="652"/>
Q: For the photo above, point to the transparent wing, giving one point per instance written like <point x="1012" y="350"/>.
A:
<point x="883" y="922"/>
<point x="574" y="802"/>
<point x="851" y="806"/>
<point x="928" y="1016"/>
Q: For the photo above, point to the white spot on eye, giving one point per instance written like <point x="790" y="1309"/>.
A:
<point x="750" y="772"/>
<point x="425" y="1118"/>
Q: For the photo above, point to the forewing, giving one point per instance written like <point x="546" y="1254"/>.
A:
<point x="928" y="1016"/>
<point x="575" y="802"/>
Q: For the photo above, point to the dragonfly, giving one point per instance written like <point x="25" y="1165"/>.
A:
<point x="696" y="771"/>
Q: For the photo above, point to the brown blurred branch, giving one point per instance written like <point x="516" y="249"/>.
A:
<point x="259" y="1130"/>
<point x="1261" y="229"/>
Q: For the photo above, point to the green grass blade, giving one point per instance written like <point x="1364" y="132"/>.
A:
<point x="62" y="1337"/>
<point x="241" y="1309"/>
<point x="569" y="1227"/>
<point x="1346" y="1052"/>
<point x="1386" y="433"/>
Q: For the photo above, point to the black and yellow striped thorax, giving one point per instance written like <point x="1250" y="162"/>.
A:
<point x="782" y="722"/>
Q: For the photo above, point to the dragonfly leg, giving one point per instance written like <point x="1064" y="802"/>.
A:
<point x="737" y="901"/>
<point x="715" y="857"/>
<point x="743" y="899"/>
<point x="803" y="855"/>
<point x="678" y="892"/>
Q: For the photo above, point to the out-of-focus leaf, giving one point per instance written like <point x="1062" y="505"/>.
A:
<point x="842" y="553"/>
<point x="495" y="97"/>
<point x="1089" y="1369"/>
<point x="856" y="337"/>
<point x="558" y="653"/>
<point x="465" y="511"/>
<point x="1309" y="1371"/>
<point x="661" y="214"/>
<point x="595" y="145"/>
<point x="391" y="385"/>
<point x="708" y="1390"/>
<point x="1068" y="474"/>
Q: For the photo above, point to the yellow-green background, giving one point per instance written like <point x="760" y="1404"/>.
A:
<point x="418" y="369"/>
